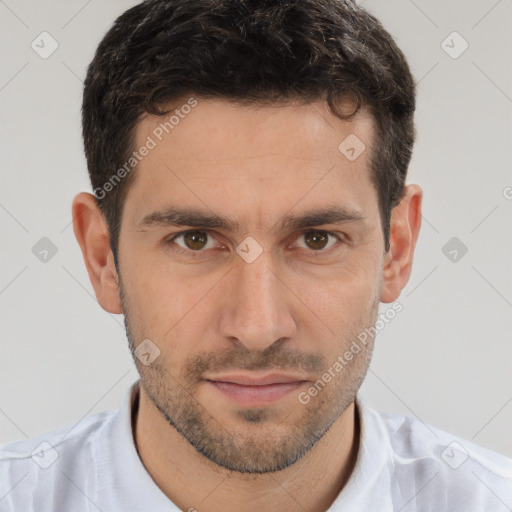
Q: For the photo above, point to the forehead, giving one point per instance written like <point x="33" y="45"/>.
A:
<point x="251" y="163"/>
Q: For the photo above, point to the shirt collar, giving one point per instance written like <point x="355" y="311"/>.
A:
<point x="369" y="486"/>
<point x="123" y="481"/>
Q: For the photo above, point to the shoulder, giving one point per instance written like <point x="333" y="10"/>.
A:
<point x="64" y="440"/>
<point x="35" y="466"/>
<point x="453" y="471"/>
<point x="413" y="437"/>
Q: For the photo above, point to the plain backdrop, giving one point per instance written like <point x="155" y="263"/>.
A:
<point x="446" y="358"/>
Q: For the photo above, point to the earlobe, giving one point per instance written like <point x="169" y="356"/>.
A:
<point x="91" y="233"/>
<point x="404" y="231"/>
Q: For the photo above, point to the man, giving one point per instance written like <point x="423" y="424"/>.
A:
<point x="248" y="161"/>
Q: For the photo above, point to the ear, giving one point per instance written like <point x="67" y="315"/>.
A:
<point x="91" y="233"/>
<point x="404" y="231"/>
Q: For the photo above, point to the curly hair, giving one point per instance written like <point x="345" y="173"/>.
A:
<point x="249" y="52"/>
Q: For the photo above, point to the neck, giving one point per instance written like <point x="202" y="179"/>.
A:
<point x="192" y="482"/>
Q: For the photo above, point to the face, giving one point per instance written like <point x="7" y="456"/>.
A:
<point x="254" y="300"/>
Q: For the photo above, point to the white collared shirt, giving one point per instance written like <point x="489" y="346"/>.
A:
<point x="402" y="465"/>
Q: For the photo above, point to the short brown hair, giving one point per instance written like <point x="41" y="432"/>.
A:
<point x="247" y="51"/>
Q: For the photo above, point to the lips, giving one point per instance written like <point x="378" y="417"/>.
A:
<point x="250" y="380"/>
<point x="250" y="390"/>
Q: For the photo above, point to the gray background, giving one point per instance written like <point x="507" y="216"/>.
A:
<point x="446" y="358"/>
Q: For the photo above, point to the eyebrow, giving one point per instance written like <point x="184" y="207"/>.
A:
<point x="176" y="216"/>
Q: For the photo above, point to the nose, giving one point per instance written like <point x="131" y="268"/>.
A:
<point x="257" y="309"/>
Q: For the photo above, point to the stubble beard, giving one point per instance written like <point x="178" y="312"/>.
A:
<point x="264" y="442"/>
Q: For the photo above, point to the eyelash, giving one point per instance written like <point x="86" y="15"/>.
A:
<point x="198" y="253"/>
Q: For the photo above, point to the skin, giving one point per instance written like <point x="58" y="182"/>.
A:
<point x="293" y="310"/>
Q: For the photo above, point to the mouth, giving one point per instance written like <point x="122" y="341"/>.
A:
<point x="252" y="391"/>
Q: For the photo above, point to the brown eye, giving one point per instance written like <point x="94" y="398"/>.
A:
<point x="318" y="240"/>
<point x="194" y="240"/>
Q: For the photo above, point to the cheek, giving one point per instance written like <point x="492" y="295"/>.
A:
<point x="153" y="285"/>
<point x="351" y="286"/>
<point x="345" y="301"/>
<point x="175" y="309"/>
